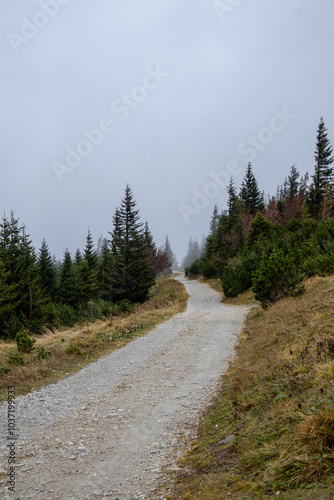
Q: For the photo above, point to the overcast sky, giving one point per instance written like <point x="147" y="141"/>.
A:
<point x="171" y="96"/>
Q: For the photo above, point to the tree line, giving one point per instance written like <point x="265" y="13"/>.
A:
<point x="273" y="245"/>
<point x="38" y="292"/>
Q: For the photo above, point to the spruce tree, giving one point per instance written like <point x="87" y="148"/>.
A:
<point x="233" y="206"/>
<point x="214" y="220"/>
<point x="31" y="295"/>
<point x="8" y="299"/>
<point x="151" y="247"/>
<point x="68" y="289"/>
<point x="104" y="271"/>
<point x="88" y="274"/>
<point x="90" y="253"/>
<point x="293" y="184"/>
<point x="46" y="271"/>
<point x="132" y="274"/>
<point x="323" y="173"/>
<point x="19" y="261"/>
<point x="251" y="196"/>
<point x="169" y="253"/>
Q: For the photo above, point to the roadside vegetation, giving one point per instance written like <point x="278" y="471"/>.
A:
<point x="272" y="246"/>
<point x="276" y="406"/>
<point x="38" y="292"/>
<point x="270" y="432"/>
<point x="36" y="360"/>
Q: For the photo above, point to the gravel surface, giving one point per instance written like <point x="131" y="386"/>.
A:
<point x="108" y="430"/>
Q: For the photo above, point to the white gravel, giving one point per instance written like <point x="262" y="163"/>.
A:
<point x="108" y="430"/>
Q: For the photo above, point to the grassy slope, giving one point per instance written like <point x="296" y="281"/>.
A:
<point x="70" y="349"/>
<point x="278" y="400"/>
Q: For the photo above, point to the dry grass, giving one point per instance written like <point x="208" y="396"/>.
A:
<point x="62" y="352"/>
<point x="278" y="400"/>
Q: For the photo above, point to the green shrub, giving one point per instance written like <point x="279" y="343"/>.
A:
<point x="67" y="315"/>
<point x="193" y="270"/>
<point x="24" y="342"/>
<point x="277" y="277"/>
<point x="15" y="358"/>
<point x="73" y="349"/>
<point x="124" y="306"/>
<point x="42" y="353"/>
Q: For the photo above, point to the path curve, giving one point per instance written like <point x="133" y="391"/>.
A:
<point x="107" y="431"/>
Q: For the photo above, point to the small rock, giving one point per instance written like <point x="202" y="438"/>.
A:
<point x="229" y="439"/>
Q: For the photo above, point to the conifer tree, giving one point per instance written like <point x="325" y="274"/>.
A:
<point x="68" y="291"/>
<point x="19" y="261"/>
<point x="8" y="298"/>
<point x="132" y="274"/>
<point x="46" y="271"/>
<point x="104" y="271"/>
<point x="214" y="220"/>
<point x="169" y="252"/>
<point x="233" y="206"/>
<point x="323" y="173"/>
<point x="89" y="252"/>
<point x="151" y="247"/>
<point x="31" y="296"/>
<point x="293" y="184"/>
<point x="88" y="273"/>
<point x="251" y="196"/>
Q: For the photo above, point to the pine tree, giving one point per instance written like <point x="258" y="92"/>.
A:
<point x="46" y="271"/>
<point x="8" y="298"/>
<point x="169" y="253"/>
<point x="104" y="272"/>
<point x="233" y="206"/>
<point x="151" y="247"/>
<point x="19" y="261"/>
<point x="31" y="295"/>
<point x="251" y="196"/>
<point x="132" y="274"/>
<point x="293" y="184"/>
<point x="68" y="290"/>
<point x="323" y="173"/>
<point x="214" y="220"/>
<point x="89" y="252"/>
<point x="88" y="272"/>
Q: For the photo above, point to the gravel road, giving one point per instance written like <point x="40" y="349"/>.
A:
<point x="108" y="430"/>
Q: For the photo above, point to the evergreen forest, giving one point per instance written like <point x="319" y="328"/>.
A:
<point x="37" y="292"/>
<point x="273" y="245"/>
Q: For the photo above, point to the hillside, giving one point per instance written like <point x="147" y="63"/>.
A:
<point x="277" y="402"/>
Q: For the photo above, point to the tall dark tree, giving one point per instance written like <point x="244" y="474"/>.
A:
<point x="89" y="252"/>
<point x="323" y="174"/>
<point x="87" y="272"/>
<point x="151" y="247"/>
<point x="8" y="299"/>
<point x="132" y="273"/>
<point x="19" y="261"/>
<point x="233" y="206"/>
<point x="293" y="184"/>
<point x="251" y="196"/>
<point x="104" y="272"/>
<point x="46" y="271"/>
<point x="214" y="220"/>
<point x="68" y="291"/>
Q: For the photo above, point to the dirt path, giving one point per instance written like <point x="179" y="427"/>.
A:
<point x="107" y="431"/>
